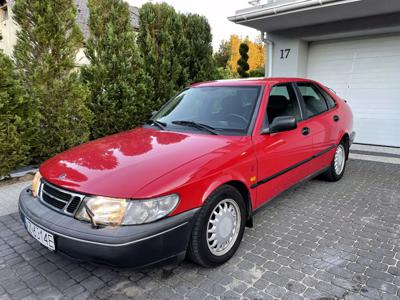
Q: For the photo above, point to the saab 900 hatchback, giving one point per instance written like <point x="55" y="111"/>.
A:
<point x="190" y="180"/>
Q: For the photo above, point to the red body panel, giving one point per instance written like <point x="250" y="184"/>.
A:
<point x="145" y="163"/>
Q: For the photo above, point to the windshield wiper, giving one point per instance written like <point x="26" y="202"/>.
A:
<point x="159" y="124"/>
<point x="197" y="125"/>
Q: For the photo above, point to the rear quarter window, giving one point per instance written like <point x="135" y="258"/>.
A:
<point x="329" y="100"/>
<point x="314" y="101"/>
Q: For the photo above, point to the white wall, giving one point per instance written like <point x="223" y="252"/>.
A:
<point x="8" y="30"/>
<point x="289" y="57"/>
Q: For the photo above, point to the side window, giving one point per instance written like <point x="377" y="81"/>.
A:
<point x="328" y="98"/>
<point x="283" y="102"/>
<point x="313" y="100"/>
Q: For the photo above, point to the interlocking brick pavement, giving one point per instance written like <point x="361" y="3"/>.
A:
<point x="318" y="241"/>
<point x="9" y="197"/>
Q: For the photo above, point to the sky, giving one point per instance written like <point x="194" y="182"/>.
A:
<point x="216" y="11"/>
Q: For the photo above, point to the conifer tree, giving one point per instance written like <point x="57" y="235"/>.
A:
<point x="243" y="66"/>
<point x="163" y="45"/>
<point x="223" y="55"/>
<point x="119" y="86"/>
<point x="47" y="43"/>
<point x="199" y="61"/>
<point x="16" y="119"/>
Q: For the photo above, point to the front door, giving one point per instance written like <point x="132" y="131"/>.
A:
<point x="284" y="157"/>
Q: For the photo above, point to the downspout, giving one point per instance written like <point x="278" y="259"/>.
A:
<point x="269" y="49"/>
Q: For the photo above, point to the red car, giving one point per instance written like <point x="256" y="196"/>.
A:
<point x="191" y="179"/>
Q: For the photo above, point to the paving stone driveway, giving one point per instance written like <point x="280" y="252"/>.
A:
<point x="320" y="240"/>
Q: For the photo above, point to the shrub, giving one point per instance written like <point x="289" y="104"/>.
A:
<point x="259" y="72"/>
<point x="16" y="119"/>
<point x="45" y="53"/>
<point x="223" y="55"/>
<point x="225" y="73"/>
<point x="243" y="66"/>
<point x="162" y="44"/>
<point x="120" y="89"/>
<point x="198" y="60"/>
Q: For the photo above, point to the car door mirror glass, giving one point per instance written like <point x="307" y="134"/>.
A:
<point x="280" y="124"/>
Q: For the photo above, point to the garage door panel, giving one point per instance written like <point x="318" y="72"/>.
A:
<point x="331" y="51"/>
<point x="366" y="72"/>
<point x="377" y="83"/>
<point x="345" y="66"/>
<point x="388" y="137"/>
<point x="379" y="50"/>
<point x="379" y="65"/>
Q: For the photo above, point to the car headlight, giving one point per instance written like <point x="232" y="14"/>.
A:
<point x="36" y="184"/>
<point x="112" y="211"/>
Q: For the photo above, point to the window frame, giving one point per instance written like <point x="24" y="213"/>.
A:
<point x="266" y="122"/>
<point x="303" y="102"/>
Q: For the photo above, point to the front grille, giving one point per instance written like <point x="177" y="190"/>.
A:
<point x="53" y="202"/>
<point x="73" y="205"/>
<point x="56" y="193"/>
<point x="59" y="199"/>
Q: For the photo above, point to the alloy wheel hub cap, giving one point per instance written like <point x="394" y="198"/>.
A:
<point x="340" y="158"/>
<point x="223" y="227"/>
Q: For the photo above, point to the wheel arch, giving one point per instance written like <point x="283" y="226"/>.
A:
<point x="245" y="192"/>
<point x="346" y="139"/>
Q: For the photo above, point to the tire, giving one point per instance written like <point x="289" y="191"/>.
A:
<point x="335" y="174"/>
<point x="200" y="249"/>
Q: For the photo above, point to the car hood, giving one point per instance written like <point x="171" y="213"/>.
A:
<point x="121" y="164"/>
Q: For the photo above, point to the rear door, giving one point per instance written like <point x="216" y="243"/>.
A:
<point x="322" y="120"/>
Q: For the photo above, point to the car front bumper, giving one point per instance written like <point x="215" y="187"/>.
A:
<point x="122" y="246"/>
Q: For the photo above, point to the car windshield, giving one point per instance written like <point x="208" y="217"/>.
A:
<point x="218" y="110"/>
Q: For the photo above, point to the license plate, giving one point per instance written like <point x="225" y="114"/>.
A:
<point x="45" y="238"/>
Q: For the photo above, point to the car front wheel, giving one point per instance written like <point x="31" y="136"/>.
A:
<point x="219" y="228"/>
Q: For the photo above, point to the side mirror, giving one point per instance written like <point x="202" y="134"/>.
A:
<point x="280" y="124"/>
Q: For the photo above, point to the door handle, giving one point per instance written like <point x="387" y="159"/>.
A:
<point x="305" y="131"/>
<point x="336" y="118"/>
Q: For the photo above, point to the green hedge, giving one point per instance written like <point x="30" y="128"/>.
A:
<point x="48" y="105"/>
<point x="16" y="119"/>
<point x="47" y="45"/>
<point x="260" y="72"/>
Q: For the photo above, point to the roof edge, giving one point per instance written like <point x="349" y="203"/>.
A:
<point x="266" y="11"/>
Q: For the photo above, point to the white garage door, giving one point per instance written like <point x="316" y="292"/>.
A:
<point x="365" y="72"/>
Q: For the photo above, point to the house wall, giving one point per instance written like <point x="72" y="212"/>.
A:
<point x="8" y="30"/>
<point x="81" y="58"/>
<point x="289" y="56"/>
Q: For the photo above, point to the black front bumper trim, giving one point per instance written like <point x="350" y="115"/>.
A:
<point x="124" y="246"/>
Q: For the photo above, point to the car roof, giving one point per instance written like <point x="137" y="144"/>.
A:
<point x="250" y="81"/>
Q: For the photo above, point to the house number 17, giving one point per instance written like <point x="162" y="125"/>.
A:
<point x="285" y="53"/>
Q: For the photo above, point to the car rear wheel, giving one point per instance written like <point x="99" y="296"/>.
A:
<point x="219" y="228"/>
<point x="338" y="165"/>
